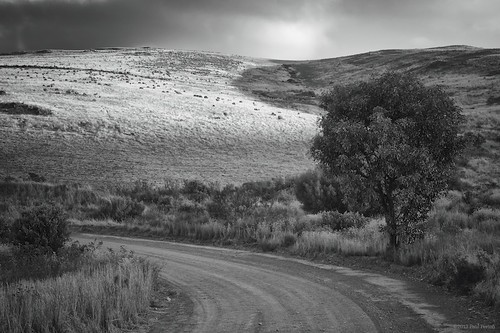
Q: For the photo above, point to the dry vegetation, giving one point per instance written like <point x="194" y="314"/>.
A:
<point x="122" y="115"/>
<point x="127" y="115"/>
<point x="81" y="289"/>
<point x="461" y="249"/>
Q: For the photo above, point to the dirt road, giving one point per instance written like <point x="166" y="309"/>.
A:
<point x="240" y="291"/>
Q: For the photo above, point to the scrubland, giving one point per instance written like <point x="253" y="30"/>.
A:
<point x="460" y="250"/>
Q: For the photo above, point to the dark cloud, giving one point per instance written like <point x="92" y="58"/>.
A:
<point x="64" y="24"/>
<point x="208" y="24"/>
<point x="267" y="28"/>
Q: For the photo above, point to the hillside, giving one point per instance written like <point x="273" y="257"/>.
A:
<point x="109" y="116"/>
<point x="118" y="115"/>
<point x="470" y="75"/>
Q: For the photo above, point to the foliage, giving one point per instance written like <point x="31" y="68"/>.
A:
<point x="460" y="272"/>
<point x="32" y="264"/>
<point x="4" y="231"/>
<point x="365" y="241"/>
<point x="104" y="292"/>
<point x="118" y="208"/>
<point x="395" y="137"/>
<point x="337" y="221"/>
<point x="318" y="193"/>
<point x="43" y="227"/>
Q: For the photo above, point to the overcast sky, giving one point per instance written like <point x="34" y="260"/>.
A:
<point x="284" y="29"/>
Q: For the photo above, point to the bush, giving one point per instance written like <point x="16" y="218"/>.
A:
<point x="365" y="241"/>
<point x="118" y="208"/>
<point x="318" y="193"/>
<point x="195" y="190"/>
<point x="337" y="221"/>
<point x="450" y="222"/>
<point x="4" y="231"/>
<point x="289" y="239"/>
<point x="34" y="264"/>
<point x="43" y="227"/>
<point x="267" y="191"/>
<point x="106" y="292"/>
<point x="486" y="219"/>
<point x="221" y="207"/>
<point x="459" y="272"/>
<point x="269" y="244"/>
<point x="491" y="198"/>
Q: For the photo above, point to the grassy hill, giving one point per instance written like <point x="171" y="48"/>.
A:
<point x="470" y="75"/>
<point x="109" y="116"/>
<point x="118" y="115"/>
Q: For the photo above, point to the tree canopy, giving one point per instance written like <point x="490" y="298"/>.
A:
<point x="394" y="136"/>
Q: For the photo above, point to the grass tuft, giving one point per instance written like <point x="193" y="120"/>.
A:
<point x="106" y="293"/>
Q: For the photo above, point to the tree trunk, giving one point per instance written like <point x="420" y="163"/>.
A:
<point x="390" y="217"/>
<point x="392" y="227"/>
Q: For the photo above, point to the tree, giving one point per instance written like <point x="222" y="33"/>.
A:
<point x="43" y="227"/>
<point x="395" y="137"/>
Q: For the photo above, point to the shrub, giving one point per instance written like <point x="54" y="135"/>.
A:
<point x="118" y="208"/>
<point x="221" y="207"/>
<point x="486" y="219"/>
<point x="289" y="239"/>
<point x="192" y="207"/>
<point x="491" y="198"/>
<point x="458" y="271"/>
<point x="106" y="294"/>
<point x="269" y="244"/>
<point x="489" y="288"/>
<point x="43" y="227"/>
<point x="29" y="192"/>
<point x="32" y="264"/>
<point x="448" y="221"/>
<point x="195" y="190"/>
<point x="267" y="191"/>
<point x="318" y="193"/>
<point x="339" y="221"/>
<point x="21" y="108"/>
<point x="365" y="241"/>
<point x="4" y="232"/>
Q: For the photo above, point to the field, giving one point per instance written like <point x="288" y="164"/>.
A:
<point x="122" y="115"/>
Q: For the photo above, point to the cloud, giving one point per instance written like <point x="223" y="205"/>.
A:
<point x="266" y="28"/>
<point x="80" y="24"/>
<point x="282" y="26"/>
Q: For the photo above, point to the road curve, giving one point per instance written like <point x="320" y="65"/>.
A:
<point x="241" y="291"/>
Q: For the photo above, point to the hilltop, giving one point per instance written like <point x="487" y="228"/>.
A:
<point x="110" y="116"/>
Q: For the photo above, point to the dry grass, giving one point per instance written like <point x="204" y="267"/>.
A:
<point x="125" y="115"/>
<point x="365" y="241"/>
<point x="101" y="299"/>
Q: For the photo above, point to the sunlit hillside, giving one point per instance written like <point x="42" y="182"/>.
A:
<point x="117" y="115"/>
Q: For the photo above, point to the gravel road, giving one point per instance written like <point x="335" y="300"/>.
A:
<point x="242" y="291"/>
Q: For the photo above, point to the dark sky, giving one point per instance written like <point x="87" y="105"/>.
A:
<point x="285" y="29"/>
